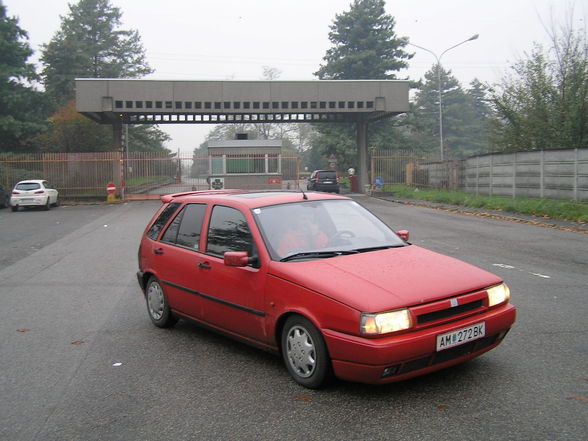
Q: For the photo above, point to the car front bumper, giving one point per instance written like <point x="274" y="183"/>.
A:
<point x="407" y="355"/>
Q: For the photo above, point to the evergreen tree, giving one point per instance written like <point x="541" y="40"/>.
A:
<point x="90" y="44"/>
<point x="21" y="107"/>
<point x="465" y="114"/>
<point x="365" y="45"/>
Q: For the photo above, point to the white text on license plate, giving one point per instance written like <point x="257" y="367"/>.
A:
<point x="461" y="336"/>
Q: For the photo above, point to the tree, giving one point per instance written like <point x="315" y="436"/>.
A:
<point x="21" y="107"/>
<point x="365" y="45"/>
<point x="72" y="132"/>
<point x="543" y="103"/>
<point x="465" y="115"/>
<point x="90" y="44"/>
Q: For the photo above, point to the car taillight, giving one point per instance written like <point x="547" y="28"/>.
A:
<point x="317" y="176"/>
<point x="15" y="192"/>
<point x="40" y="192"/>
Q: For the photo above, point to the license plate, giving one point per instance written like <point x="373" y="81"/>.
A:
<point x="461" y="336"/>
<point x="327" y="182"/>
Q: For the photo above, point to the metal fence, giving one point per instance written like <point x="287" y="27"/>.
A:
<point x="148" y="175"/>
<point x="559" y="174"/>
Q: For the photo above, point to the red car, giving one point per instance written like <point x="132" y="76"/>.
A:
<point x="321" y="280"/>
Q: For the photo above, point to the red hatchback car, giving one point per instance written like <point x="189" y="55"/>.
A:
<point x="321" y="280"/>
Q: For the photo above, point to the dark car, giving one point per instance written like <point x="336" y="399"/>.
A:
<point x="320" y="280"/>
<point x="4" y="197"/>
<point x="323" y="180"/>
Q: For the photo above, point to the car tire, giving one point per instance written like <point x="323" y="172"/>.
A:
<point x="56" y="204"/>
<point x="14" y="208"/>
<point x="157" y="305"/>
<point x="305" y="353"/>
<point x="47" y="206"/>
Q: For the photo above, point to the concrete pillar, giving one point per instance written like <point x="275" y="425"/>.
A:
<point x="117" y="165"/>
<point x="362" y="150"/>
<point x="117" y="135"/>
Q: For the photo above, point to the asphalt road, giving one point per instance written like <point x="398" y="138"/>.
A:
<point x="80" y="360"/>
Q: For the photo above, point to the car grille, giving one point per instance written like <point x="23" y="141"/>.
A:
<point x="450" y="309"/>
<point x="450" y="312"/>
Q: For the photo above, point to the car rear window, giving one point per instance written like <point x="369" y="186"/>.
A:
<point x="327" y="175"/>
<point x="165" y="215"/>
<point x="28" y="186"/>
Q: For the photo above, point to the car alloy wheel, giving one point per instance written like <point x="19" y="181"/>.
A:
<point x="305" y="352"/>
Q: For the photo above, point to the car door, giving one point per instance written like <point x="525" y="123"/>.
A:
<point x="176" y="256"/>
<point x="233" y="297"/>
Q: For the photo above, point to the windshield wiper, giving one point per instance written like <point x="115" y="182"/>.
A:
<point x="381" y="247"/>
<point x="317" y="255"/>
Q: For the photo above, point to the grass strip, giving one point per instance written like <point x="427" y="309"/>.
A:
<point x="540" y="207"/>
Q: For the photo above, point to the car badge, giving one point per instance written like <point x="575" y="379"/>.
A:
<point x="454" y="303"/>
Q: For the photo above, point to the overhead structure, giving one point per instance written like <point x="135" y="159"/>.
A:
<point x="122" y="101"/>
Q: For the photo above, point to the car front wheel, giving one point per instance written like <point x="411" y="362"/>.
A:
<point x="157" y="306"/>
<point x="305" y="353"/>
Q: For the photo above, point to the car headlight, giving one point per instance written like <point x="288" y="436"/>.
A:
<point x="498" y="294"/>
<point x="385" y="322"/>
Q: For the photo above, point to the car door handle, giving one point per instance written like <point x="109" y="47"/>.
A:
<point x="158" y="251"/>
<point x="204" y="265"/>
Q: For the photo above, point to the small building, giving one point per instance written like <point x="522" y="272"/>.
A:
<point x="244" y="163"/>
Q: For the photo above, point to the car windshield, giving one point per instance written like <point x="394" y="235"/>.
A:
<point x="321" y="229"/>
<point x="28" y="186"/>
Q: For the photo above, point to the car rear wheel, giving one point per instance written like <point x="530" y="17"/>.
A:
<point x="47" y="206"/>
<point x="14" y="208"/>
<point x="157" y="306"/>
<point x="305" y="353"/>
<point x="56" y="204"/>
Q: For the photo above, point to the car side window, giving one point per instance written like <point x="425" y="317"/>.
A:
<point x="185" y="228"/>
<point x="228" y="231"/>
<point x="165" y="215"/>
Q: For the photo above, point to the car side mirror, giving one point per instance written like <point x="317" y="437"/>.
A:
<point x="403" y="234"/>
<point x="239" y="258"/>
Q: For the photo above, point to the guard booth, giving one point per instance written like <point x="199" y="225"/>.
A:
<point x="244" y="163"/>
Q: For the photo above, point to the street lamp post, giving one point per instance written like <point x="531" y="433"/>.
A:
<point x="438" y="58"/>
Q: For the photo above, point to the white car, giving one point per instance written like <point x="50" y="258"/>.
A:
<point x="34" y="193"/>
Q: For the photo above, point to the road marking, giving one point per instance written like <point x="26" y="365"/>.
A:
<point x="505" y="266"/>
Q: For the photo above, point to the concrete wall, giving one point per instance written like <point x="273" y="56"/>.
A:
<point x="558" y="174"/>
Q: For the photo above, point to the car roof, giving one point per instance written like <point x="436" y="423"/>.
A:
<point x="248" y="199"/>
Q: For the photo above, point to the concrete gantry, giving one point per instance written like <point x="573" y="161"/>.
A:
<point x="123" y="101"/>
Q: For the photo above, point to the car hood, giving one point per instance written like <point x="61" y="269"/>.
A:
<point x="387" y="279"/>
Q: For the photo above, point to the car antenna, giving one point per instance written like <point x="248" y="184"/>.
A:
<point x="303" y="194"/>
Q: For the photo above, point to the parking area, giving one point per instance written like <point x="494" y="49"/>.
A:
<point x="81" y="360"/>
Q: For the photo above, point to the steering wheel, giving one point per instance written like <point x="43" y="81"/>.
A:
<point x="341" y="237"/>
